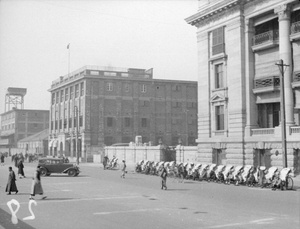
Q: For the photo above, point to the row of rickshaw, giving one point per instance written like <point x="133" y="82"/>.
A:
<point x="249" y="175"/>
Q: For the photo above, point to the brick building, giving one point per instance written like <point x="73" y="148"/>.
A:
<point x="17" y="124"/>
<point x="240" y="42"/>
<point x="98" y="106"/>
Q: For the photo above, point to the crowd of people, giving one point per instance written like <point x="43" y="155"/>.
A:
<point x="11" y="186"/>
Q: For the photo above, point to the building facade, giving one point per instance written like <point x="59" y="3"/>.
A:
<point x="35" y="144"/>
<point x="100" y="106"/>
<point x="241" y="43"/>
<point x="17" y="124"/>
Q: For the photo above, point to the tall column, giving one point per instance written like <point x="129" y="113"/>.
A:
<point x="251" y="108"/>
<point x="284" y="16"/>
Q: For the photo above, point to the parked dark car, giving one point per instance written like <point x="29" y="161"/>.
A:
<point x="57" y="165"/>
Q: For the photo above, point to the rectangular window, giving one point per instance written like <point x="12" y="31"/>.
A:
<point x="268" y="115"/>
<point x="75" y="121"/>
<point x="71" y="92"/>
<point x="219" y="76"/>
<point x="127" y="122"/>
<point x="109" y="121"/>
<point x="144" y="103"/>
<point x="70" y="122"/>
<point x="219" y="117"/>
<point x="76" y="90"/>
<point x="176" y="104"/>
<point x="65" y="123"/>
<point x="176" y="88"/>
<point x="218" y="41"/>
<point x="61" y="96"/>
<point x="60" y="124"/>
<point x="80" y="120"/>
<point x="66" y="94"/>
<point x="57" y="97"/>
<point x="144" y="122"/>
<point x="144" y="88"/>
<point x="81" y="89"/>
<point x="126" y="87"/>
<point x="109" y="87"/>
<point x="53" y="98"/>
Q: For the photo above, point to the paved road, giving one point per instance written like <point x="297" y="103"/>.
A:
<point x="101" y="199"/>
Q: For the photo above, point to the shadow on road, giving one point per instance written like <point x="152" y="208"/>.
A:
<point x="49" y="199"/>
<point x="6" y="221"/>
<point x="64" y="176"/>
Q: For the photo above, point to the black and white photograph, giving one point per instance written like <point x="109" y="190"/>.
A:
<point x="161" y="114"/>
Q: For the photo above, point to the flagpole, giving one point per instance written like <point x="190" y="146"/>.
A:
<point x="68" y="47"/>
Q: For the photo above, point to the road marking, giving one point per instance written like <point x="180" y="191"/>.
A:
<point x="58" y="190"/>
<point x="128" y="211"/>
<point x="259" y="221"/>
<point x="62" y="200"/>
<point x="66" y="183"/>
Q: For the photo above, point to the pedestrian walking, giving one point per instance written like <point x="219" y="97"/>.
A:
<point x="11" y="183"/>
<point x="163" y="176"/>
<point x="123" y="169"/>
<point x="2" y="157"/>
<point x="105" y="160"/>
<point x="36" y="187"/>
<point x="21" y="169"/>
<point x="16" y="159"/>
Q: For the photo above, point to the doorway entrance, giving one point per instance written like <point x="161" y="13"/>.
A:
<point x="262" y="157"/>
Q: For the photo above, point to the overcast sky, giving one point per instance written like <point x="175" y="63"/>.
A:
<point x="34" y="35"/>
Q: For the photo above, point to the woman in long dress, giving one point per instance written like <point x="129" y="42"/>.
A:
<point x="11" y="183"/>
<point x="36" y="187"/>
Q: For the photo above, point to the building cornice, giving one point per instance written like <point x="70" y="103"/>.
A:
<point x="211" y="11"/>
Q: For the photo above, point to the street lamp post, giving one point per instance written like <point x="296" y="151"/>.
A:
<point x="187" y="127"/>
<point x="281" y="66"/>
<point x="76" y="121"/>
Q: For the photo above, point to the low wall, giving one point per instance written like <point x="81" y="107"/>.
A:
<point x="186" y="154"/>
<point x="132" y="154"/>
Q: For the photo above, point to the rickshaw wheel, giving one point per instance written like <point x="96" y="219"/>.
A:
<point x="289" y="183"/>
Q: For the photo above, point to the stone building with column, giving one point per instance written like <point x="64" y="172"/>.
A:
<point x="95" y="106"/>
<point x="239" y="86"/>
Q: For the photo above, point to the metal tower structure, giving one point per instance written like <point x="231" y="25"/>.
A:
<point x="14" y="98"/>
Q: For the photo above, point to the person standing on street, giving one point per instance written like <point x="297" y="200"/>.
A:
<point x="105" y="160"/>
<point x="123" y="169"/>
<point x="36" y="187"/>
<point x="21" y="169"/>
<point x="2" y="159"/>
<point x="11" y="183"/>
<point x="163" y="176"/>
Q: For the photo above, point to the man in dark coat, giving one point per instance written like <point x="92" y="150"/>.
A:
<point x="2" y="159"/>
<point x="11" y="183"/>
<point x="105" y="160"/>
<point x="21" y="169"/>
<point x="163" y="176"/>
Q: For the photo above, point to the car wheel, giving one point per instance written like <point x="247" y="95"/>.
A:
<point x="43" y="172"/>
<point x="72" y="173"/>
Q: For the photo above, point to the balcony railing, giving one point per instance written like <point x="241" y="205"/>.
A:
<point x="296" y="77"/>
<point x="295" y="28"/>
<point x="273" y="81"/>
<point x="266" y="37"/>
<point x="295" y="130"/>
<point x="263" y="131"/>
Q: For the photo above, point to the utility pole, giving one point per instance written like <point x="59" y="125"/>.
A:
<point x="76" y="121"/>
<point x="281" y="66"/>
